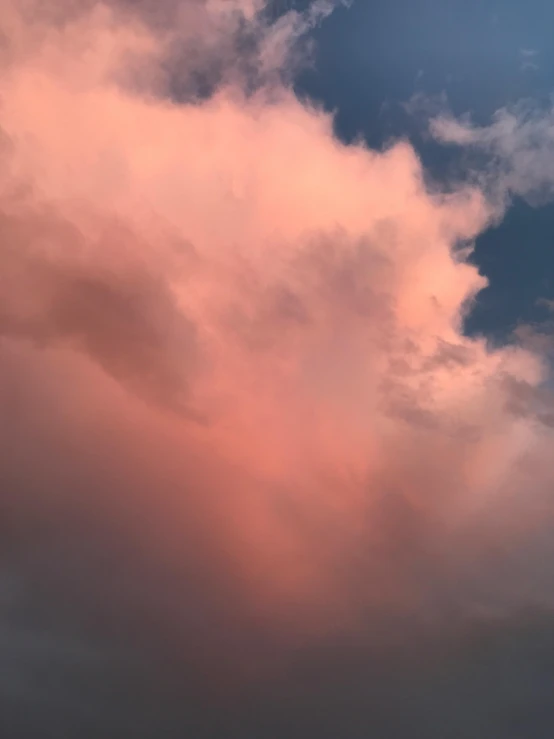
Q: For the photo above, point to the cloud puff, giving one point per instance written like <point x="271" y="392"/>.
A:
<point x="239" y="407"/>
<point x="517" y="147"/>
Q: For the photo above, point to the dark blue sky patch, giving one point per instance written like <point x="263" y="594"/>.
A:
<point x="517" y="257"/>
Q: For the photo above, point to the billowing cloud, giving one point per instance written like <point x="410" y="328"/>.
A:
<point x="239" y="408"/>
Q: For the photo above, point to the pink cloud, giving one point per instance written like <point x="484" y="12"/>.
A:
<point x="242" y="340"/>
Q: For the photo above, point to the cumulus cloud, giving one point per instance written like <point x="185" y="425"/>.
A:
<point x="239" y="410"/>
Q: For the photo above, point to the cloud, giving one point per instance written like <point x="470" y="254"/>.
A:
<point x="241" y="418"/>
<point x="517" y="147"/>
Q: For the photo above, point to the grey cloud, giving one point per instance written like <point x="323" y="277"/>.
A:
<point x="518" y="147"/>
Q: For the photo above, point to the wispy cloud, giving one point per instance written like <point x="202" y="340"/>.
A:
<point x="518" y="146"/>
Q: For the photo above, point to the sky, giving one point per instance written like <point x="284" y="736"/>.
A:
<point x="277" y="417"/>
